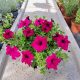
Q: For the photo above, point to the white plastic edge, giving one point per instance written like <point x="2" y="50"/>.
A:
<point x="13" y="28"/>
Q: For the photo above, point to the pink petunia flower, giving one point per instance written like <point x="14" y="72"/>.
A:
<point x="27" y="57"/>
<point x="8" y="34"/>
<point x="25" y="22"/>
<point x="52" y="61"/>
<point x="12" y="51"/>
<point x="47" y="26"/>
<point x="63" y="42"/>
<point x="21" y="24"/>
<point x="39" y="43"/>
<point x="28" y="32"/>
<point x="38" y="22"/>
<point x="57" y="36"/>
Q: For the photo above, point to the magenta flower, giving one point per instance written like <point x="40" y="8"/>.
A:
<point x="52" y="61"/>
<point x="21" y="24"/>
<point x="12" y="51"/>
<point x="39" y="43"/>
<point x="63" y="42"/>
<point x="27" y="57"/>
<point x="38" y="22"/>
<point x="47" y="26"/>
<point x="57" y="36"/>
<point x="8" y="34"/>
<point x="25" y="22"/>
<point x="28" y="32"/>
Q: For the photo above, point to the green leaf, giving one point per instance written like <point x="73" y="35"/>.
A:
<point x="1" y="35"/>
<point x="32" y="26"/>
<point x="40" y="60"/>
<point x="62" y="55"/>
<point x="19" y="32"/>
<point x="43" y="70"/>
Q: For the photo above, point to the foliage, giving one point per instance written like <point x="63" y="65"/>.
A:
<point x="20" y="1"/>
<point x="1" y="35"/>
<point x="77" y="19"/>
<point x="70" y="6"/>
<point x="78" y="3"/>
<point x="7" y="6"/>
<point x="7" y="21"/>
<point x="13" y="4"/>
<point x="0" y="17"/>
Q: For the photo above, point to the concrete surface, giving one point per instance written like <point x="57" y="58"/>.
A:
<point x="15" y="70"/>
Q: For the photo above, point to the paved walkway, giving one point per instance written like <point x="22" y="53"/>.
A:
<point x="15" y="70"/>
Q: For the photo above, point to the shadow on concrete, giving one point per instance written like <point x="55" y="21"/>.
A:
<point x="49" y="15"/>
<point x="42" y="5"/>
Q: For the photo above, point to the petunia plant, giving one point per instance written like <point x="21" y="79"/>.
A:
<point x="39" y="43"/>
